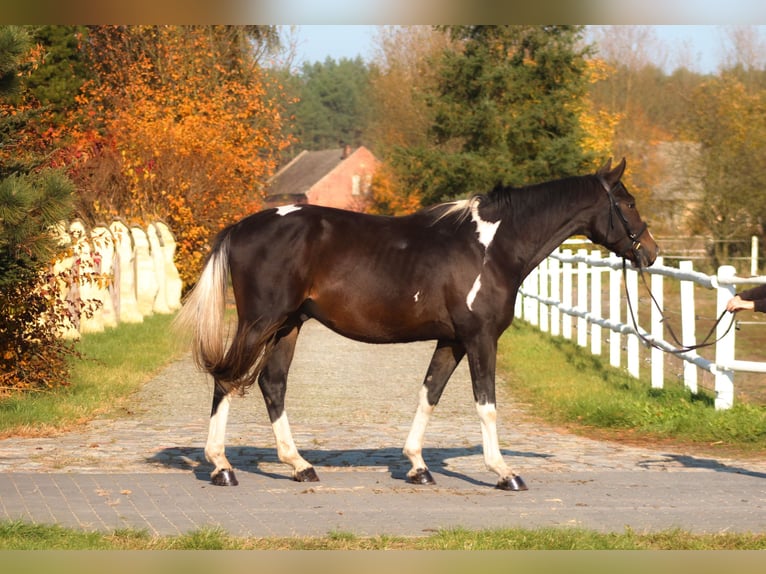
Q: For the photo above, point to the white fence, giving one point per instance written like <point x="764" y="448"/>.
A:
<point x="572" y="287"/>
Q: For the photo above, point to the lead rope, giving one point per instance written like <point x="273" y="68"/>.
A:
<point x="681" y="347"/>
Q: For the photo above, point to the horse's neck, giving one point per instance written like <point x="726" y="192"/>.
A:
<point x="541" y="230"/>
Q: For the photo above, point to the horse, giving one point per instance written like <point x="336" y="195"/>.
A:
<point x="449" y="272"/>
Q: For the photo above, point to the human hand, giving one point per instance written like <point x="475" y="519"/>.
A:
<point x="736" y="303"/>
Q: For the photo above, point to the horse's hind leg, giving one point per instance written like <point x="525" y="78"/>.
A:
<point x="273" y="384"/>
<point x="443" y="363"/>
<point x="223" y="474"/>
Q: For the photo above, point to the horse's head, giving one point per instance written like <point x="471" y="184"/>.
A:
<point x="619" y="227"/>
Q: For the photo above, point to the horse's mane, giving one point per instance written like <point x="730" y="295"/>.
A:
<point x="503" y="200"/>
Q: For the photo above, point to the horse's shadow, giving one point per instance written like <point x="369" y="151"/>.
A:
<point x="250" y="458"/>
<point x="703" y="463"/>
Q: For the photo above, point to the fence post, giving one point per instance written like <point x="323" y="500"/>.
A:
<point x="631" y="280"/>
<point x="754" y="256"/>
<point x="566" y="295"/>
<point x="657" y="355"/>
<point x="688" y="336"/>
<point x="615" y="338"/>
<point x="543" y="292"/>
<point x="724" y="349"/>
<point x="531" y="306"/>
<point x="582" y="298"/>
<point x="595" y="304"/>
<point x="554" y="266"/>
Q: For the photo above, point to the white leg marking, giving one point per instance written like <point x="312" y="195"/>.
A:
<point x="286" y="449"/>
<point x="285" y="209"/>
<point x="215" y="449"/>
<point x="484" y="229"/>
<point x="492" y="457"/>
<point x="473" y="292"/>
<point x="413" y="447"/>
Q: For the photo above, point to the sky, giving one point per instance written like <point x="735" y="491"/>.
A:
<point x="698" y="47"/>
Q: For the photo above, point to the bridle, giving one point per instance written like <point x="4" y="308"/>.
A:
<point x="614" y="208"/>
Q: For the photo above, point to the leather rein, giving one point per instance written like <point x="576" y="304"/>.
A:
<point x="614" y="209"/>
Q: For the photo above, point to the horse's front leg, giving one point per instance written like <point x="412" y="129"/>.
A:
<point x="482" y="359"/>
<point x="445" y="358"/>
<point x="215" y="449"/>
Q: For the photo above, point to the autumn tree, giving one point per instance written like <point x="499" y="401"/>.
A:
<point x="179" y="125"/>
<point x="404" y="77"/>
<point x="727" y="120"/>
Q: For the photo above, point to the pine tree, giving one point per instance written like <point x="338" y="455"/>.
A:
<point x="504" y="112"/>
<point x="32" y="201"/>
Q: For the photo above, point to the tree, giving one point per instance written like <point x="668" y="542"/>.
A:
<point x="505" y="111"/>
<point x="56" y="82"/>
<point x="404" y="77"/>
<point x="178" y="124"/>
<point x="727" y="119"/>
<point x="332" y="103"/>
<point x="33" y="200"/>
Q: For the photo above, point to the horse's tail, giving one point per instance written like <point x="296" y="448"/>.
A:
<point x="203" y="311"/>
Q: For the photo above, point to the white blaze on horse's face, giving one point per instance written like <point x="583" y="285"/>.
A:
<point x="285" y="209"/>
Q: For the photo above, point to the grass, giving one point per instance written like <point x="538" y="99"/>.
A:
<point x="101" y="380"/>
<point x="15" y="535"/>
<point x="564" y="384"/>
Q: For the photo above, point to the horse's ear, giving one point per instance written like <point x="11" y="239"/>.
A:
<point x="612" y="176"/>
<point x="605" y="168"/>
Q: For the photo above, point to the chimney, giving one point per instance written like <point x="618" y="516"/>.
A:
<point x="346" y="151"/>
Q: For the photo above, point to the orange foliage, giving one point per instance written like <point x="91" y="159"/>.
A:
<point x="388" y="195"/>
<point x="178" y="126"/>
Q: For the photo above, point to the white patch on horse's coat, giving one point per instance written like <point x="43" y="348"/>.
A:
<point x="484" y="229"/>
<point x="214" y="448"/>
<point x="285" y="209"/>
<point x="473" y="292"/>
<point x="413" y="447"/>
<point x="417" y="296"/>
<point x="491" y="445"/>
<point x="287" y="452"/>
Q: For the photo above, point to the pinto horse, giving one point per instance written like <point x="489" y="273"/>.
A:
<point x="448" y="273"/>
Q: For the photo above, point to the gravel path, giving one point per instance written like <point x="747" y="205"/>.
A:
<point x="350" y="406"/>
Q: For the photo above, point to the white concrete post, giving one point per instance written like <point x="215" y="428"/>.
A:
<point x="160" y="304"/>
<point x="103" y="252"/>
<point x="146" y="281"/>
<point x="125" y="274"/>
<point x="173" y="283"/>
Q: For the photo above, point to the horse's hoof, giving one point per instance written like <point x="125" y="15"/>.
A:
<point x="421" y="476"/>
<point x="224" y="478"/>
<point x="306" y="475"/>
<point x="513" y="483"/>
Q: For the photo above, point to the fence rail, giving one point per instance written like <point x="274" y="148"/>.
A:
<point x="565" y="291"/>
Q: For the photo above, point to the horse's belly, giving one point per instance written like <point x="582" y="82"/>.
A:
<point x="380" y="321"/>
